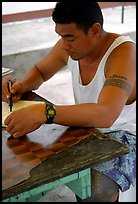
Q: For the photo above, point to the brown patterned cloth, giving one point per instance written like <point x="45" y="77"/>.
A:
<point x="21" y="155"/>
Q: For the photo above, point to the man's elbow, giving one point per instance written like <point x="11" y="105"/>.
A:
<point x="109" y="120"/>
<point x="108" y="124"/>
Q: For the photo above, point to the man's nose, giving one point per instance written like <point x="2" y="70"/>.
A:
<point x="65" y="44"/>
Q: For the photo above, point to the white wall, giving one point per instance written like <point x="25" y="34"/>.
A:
<point x="17" y="7"/>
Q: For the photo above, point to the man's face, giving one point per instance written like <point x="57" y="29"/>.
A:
<point x="75" y="41"/>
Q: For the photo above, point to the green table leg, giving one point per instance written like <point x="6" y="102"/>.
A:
<point x="82" y="185"/>
<point x="79" y="183"/>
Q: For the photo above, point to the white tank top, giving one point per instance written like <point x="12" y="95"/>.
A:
<point x="89" y="93"/>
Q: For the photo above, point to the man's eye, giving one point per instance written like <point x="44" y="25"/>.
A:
<point x="70" y="40"/>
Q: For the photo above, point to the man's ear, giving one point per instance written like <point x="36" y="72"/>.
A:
<point x="95" y="30"/>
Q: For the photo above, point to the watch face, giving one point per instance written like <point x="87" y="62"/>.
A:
<point x="51" y="112"/>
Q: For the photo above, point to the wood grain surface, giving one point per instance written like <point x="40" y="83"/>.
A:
<point x="20" y="155"/>
<point x="52" y="152"/>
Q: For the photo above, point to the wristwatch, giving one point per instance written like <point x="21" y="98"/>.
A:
<point x="50" y="113"/>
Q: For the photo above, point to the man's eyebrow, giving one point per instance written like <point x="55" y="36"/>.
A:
<point x="66" y="35"/>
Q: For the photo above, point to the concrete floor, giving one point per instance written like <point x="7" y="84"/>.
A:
<point x="59" y="194"/>
<point x="36" y="34"/>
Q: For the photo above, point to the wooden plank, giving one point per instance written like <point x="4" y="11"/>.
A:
<point x="95" y="148"/>
<point x="114" y="4"/>
<point x="83" y="178"/>
<point x="6" y="18"/>
<point x="71" y="160"/>
<point x="29" y="15"/>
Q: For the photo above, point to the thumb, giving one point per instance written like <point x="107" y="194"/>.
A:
<point x="15" y="87"/>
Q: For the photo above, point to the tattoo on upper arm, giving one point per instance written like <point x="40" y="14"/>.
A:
<point x="119" y="77"/>
<point x="119" y="81"/>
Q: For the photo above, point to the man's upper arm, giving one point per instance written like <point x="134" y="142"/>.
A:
<point x="53" y="61"/>
<point x="120" y="78"/>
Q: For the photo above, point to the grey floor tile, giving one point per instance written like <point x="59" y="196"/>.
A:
<point x="59" y="194"/>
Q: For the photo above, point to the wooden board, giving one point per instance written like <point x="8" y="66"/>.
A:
<point x="55" y="151"/>
<point x="20" y="155"/>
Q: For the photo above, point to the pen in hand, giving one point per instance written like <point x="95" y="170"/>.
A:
<point x="10" y="98"/>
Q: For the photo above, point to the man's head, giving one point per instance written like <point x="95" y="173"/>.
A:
<point x="83" y="14"/>
<point x="80" y="27"/>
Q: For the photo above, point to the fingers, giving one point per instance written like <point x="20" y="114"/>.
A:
<point x="7" y="120"/>
<point x="17" y="134"/>
<point x="14" y="124"/>
<point x="12" y="128"/>
<point x="14" y="132"/>
<point x="5" y="91"/>
<point x="16" y="90"/>
<point x="4" y="96"/>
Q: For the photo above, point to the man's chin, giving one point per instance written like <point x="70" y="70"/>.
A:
<point x="75" y="57"/>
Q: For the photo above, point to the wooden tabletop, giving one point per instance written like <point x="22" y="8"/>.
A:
<point x="53" y="152"/>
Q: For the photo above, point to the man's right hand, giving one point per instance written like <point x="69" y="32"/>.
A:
<point x="17" y="89"/>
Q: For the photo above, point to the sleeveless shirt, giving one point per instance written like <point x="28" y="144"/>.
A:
<point x="89" y="93"/>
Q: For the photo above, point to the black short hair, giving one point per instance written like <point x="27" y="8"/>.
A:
<point x="84" y="14"/>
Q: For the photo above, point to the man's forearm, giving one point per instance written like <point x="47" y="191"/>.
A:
<point x="32" y="79"/>
<point x="84" y="115"/>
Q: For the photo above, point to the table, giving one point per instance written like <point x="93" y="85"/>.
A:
<point x="71" y="166"/>
<point x="6" y="71"/>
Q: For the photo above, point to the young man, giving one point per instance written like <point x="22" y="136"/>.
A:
<point x="103" y="67"/>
